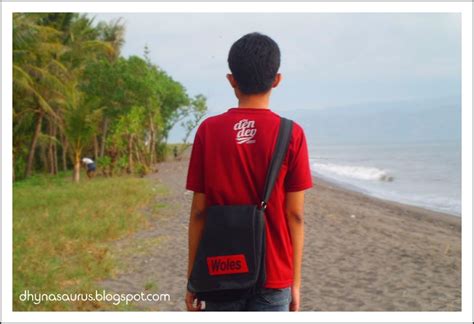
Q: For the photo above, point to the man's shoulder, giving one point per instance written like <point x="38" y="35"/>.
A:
<point x="212" y="119"/>
<point x="207" y="121"/>
<point x="297" y="129"/>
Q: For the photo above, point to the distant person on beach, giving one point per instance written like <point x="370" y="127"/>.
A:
<point x="89" y="164"/>
<point x="175" y="152"/>
<point x="230" y="157"/>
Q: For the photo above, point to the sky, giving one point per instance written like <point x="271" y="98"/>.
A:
<point x="328" y="59"/>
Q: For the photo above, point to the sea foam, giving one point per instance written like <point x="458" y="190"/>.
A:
<point x="350" y="171"/>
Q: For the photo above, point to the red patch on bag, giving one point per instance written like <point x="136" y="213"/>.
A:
<point x="227" y="264"/>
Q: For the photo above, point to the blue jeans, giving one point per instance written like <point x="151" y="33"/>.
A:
<point x="267" y="299"/>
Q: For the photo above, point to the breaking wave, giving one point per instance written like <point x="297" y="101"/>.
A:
<point x="356" y="172"/>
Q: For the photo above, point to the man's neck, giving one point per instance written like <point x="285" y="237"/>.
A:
<point x="254" y="101"/>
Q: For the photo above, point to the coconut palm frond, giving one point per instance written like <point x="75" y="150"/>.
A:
<point x="47" y="139"/>
<point x="59" y="66"/>
<point x="19" y="74"/>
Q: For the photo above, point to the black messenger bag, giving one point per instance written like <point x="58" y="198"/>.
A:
<point x="230" y="260"/>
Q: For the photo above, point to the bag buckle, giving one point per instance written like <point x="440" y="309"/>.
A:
<point x="263" y="205"/>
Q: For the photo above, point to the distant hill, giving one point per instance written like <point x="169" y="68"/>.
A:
<point x="396" y="122"/>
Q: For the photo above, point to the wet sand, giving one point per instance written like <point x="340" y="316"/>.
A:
<point x="361" y="253"/>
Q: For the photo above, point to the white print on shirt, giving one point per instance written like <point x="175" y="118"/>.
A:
<point x="246" y="131"/>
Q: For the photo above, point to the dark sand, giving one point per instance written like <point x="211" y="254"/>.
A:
<point x="361" y="253"/>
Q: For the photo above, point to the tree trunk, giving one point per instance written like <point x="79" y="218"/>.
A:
<point x="55" y="150"/>
<point x="96" y="148"/>
<point x="152" y="152"/>
<point x="13" y="166"/>
<point x="64" y="144"/>
<point x="44" y="157"/>
<point x="55" y="158"/>
<point x="31" y="153"/>
<point x="112" y="152"/>
<point x="152" y="143"/>
<point x="50" y="153"/>
<point x="76" y="174"/>
<point x="105" y="124"/>
<point x="130" y="154"/>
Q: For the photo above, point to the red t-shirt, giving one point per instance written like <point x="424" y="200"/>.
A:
<point x="229" y="161"/>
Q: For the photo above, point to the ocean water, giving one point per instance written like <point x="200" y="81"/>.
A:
<point x="425" y="174"/>
<point x="417" y="158"/>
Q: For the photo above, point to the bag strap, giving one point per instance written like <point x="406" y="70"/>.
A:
<point x="281" y="147"/>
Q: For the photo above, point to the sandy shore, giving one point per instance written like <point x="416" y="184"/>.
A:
<point x="361" y="253"/>
<point x="368" y="254"/>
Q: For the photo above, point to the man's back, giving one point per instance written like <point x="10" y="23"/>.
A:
<point x="229" y="162"/>
<point x="228" y="166"/>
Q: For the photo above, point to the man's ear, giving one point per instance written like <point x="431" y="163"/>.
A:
<point x="277" y="80"/>
<point x="232" y="81"/>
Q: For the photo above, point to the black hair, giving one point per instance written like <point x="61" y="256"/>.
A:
<point x="254" y="60"/>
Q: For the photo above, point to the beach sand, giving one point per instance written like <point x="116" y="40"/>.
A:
<point x="361" y="253"/>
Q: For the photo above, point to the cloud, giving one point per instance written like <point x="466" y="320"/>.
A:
<point x="327" y="59"/>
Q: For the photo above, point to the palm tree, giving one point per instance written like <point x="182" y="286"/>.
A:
<point x="112" y="33"/>
<point x="34" y="51"/>
<point x="50" y="53"/>
<point x="81" y="114"/>
<point x="80" y="118"/>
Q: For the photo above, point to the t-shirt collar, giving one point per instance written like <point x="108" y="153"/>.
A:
<point x="251" y="110"/>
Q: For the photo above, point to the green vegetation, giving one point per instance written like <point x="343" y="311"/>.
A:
<point x="74" y="95"/>
<point x="173" y="151"/>
<point x="150" y="285"/>
<point x="61" y="231"/>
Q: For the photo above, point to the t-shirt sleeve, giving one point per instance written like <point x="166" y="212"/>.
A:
<point x="298" y="176"/>
<point x="196" y="176"/>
